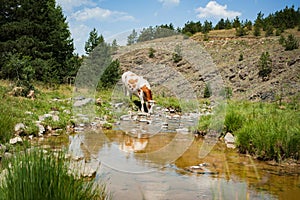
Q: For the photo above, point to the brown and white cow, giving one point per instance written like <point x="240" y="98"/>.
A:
<point x="140" y="87"/>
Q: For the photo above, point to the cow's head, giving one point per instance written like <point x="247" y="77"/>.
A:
<point x="148" y="98"/>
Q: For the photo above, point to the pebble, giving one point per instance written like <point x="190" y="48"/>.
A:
<point x="15" y="140"/>
<point x="19" y="127"/>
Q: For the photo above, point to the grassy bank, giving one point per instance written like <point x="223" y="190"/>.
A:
<point x="265" y="130"/>
<point x="14" y="110"/>
<point x="40" y="175"/>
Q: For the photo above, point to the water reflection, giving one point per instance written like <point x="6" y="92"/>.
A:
<point x="136" y="168"/>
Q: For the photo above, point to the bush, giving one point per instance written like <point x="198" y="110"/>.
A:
<point x="207" y="91"/>
<point x="38" y="175"/>
<point x="151" y="53"/>
<point x="240" y="31"/>
<point x="291" y="43"/>
<point x="233" y="120"/>
<point x="257" y="31"/>
<point x="265" y="64"/>
<point x="177" y="54"/>
<point x="241" y="58"/>
<point x="269" y="31"/>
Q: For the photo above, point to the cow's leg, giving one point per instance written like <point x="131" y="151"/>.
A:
<point x="141" y="96"/>
<point x="142" y="102"/>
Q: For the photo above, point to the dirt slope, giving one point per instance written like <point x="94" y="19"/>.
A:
<point x="225" y="50"/>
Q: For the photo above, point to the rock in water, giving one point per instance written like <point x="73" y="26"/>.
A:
<point x="229" y="140"/>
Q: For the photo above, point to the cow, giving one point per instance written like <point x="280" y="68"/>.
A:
<point x="137" y="85"/>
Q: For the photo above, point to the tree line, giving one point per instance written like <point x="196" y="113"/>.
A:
<point x="286" y="18"/>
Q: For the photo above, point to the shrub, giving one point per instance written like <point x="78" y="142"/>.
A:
<point x="151" y="53"/>
<point x="205" y="37"/>
<point x="265" y="64"/>
<point x="269" y="31"/>
<point x="241" y="58"/>
<point x="257" y="31"/>
<point x="38" y="175"/>
<point x="207" y="91"/>
<point x="291" y="43"/>
<point x="240" y="31"/>
<point x="233" y="120"/>
<point x="177" y="54"/>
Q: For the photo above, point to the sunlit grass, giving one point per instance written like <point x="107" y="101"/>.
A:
<point x="40" y="175"/>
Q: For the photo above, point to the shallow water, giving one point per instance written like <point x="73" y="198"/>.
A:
<point x="154" y="167"/>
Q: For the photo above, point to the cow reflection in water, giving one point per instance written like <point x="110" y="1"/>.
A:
<point x="130" y="144"/>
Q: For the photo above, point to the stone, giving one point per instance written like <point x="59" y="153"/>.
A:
<point x="55" y="118"/>
<point x="82" y="102"/>
<point x="31" y="94"/>
<point x="19" y="127"/>
<point x="15" y="140"/>
<point x="229" y="140"/>
<point x="41" y="130"/>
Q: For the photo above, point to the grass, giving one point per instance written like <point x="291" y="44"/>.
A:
<point x="40" y="175"/>
<point x="265" y="130"/>
<point x="15" y="110"/>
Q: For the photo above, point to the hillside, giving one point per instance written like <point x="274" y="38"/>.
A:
<point x="225" y="50"/>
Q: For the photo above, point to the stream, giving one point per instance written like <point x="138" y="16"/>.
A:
<point x="137" y="168"/>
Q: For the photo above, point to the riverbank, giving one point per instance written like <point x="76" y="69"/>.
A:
<point x="267" y="131"/>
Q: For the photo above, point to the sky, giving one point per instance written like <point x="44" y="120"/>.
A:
<point x="115" y="19"/>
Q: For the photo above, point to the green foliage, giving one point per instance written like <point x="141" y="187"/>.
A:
<point x="93" y="41"/>
<point x="40" y="175"/>
<point x="152" y="33"/>
<point x="290" y="43"/>
<point x="265" y="65"/>
<point x="281" y="40"/>
<point x="220" y="25"/>
<point x="132" y="38"/>
<point x="240" y="31"/>
<point x="151" y="53"/>
<point x="111" y="75"/>
<point x="20" y="70"/>
<point x="36" y="30"/>
<point x="241" y="58"/>
<point x="207" y="91"/>
<point x="191" y="27"/>
<point x="226" y="92"/>
<point x="207" y="26"/>
<point x="228" y="24"/>
<point x="234" y="119"/>
<point x="205" y="37"/>
<point x="256" y="31"/>
<point x="177" y="56"/>
<point x="270" y="133"/>
<point x="269" y="30"/>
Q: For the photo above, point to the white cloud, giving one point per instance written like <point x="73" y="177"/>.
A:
<point x="100" y="14"/>
<point x="69" y="5"/>
<point x="215" y="10"/>
<point x="169" y="2"/>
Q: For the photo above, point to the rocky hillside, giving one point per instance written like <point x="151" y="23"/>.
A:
<point x="220" y="54"/>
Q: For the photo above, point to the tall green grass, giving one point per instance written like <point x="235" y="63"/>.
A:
<point x="265" y="130"/>
<point x="271" y="133"/>
<point x="39" y="175"/>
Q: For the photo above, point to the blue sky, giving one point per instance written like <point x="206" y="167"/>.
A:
<point x="117" y="18"/>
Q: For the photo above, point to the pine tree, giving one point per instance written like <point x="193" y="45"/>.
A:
<point x="132" y="38"/>
<point x="36" y="30"/>
<point x="93" y="41"/>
